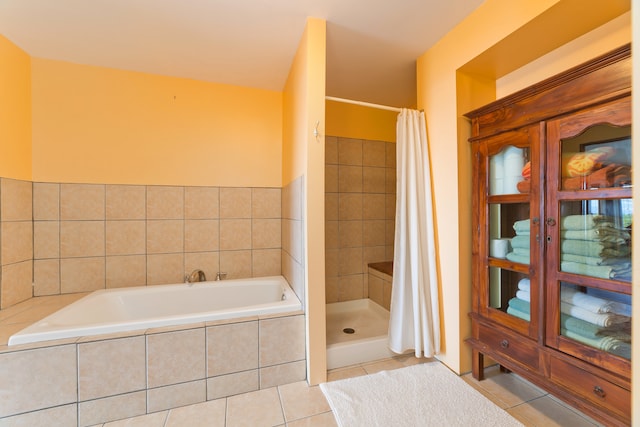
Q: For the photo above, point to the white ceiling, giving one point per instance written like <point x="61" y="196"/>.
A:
<point x="372" y="45"/>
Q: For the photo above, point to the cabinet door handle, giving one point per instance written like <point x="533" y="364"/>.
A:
<point x="551" y="221"/>
<point x="504" y="344"/>
<point x="598" y="391"/>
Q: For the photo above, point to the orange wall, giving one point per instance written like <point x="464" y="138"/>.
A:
<point x="15" y="112"/>
<point x="101" y="125"/>
<point x="359" y="122"/>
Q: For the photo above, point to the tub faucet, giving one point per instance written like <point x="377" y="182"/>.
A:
<point x="195" y="276"/>
<point x="220" y="275"/>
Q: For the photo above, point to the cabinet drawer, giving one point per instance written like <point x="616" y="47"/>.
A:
<point x="592" y="388"/>
<point x="512" y="346"/>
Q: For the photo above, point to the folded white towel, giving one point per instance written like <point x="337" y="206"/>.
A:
<point x="523" y="295"/>
<point x="525" y="285"/>
<point x="600" y="319"/>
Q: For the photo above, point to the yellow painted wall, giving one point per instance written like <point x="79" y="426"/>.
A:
<point x="303" y="154"/>
<point x="100" y="125"/>
<point x="456" y="75"/>
<point x="15" y="112"/>
<point x="359" y="122"/>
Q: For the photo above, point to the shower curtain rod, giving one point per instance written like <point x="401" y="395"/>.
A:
<point x="364" y="104"/>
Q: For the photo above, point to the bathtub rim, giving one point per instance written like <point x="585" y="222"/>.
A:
<point x="25" y="337"/>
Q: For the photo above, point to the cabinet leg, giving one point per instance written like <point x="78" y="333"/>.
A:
<point x="477" y="365"/>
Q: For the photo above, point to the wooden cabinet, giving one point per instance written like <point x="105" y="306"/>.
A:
<point x="552" y="222"/>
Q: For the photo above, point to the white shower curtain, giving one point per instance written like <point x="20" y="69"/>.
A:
<point x="414" y="319"/>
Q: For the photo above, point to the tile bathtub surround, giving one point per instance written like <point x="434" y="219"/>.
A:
<point x="98" y="380"/>
<point x="94" y="236"/>
<point x="360" y="190"/>
<point x="292" y="231"/>
<point x="16" y="241"/>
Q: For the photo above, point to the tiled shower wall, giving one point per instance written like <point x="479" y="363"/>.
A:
<point x="293" y="264"/>
<point x="360" y="186"/>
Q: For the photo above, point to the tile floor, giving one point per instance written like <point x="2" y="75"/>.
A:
<point x="298" y="405"/>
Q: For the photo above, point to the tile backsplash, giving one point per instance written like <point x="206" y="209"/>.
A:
<point x="66" y="238"/>
<point x="89" y="236"/>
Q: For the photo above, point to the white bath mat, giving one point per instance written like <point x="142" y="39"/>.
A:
<point x="427" y="394"/>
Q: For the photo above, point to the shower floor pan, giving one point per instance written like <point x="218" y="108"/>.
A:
<point x="356" y="333"/>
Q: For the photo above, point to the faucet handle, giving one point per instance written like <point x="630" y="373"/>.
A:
<point x="220" y="275"/>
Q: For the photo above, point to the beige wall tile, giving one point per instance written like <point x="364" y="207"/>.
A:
<point x="331" y="150"/>
<point x="391" y="154"/>
<point x="41" y="378"/>
<point x="125" y="271"/>
<point x="331" y="235"/>
<point x="349" y="179"/>
<point x="111" y="367"/>
<point x="206" y="414"/>
<point x="351" y="287"/>
<point x="376" y="206"/>
<point x="266" y="262"/>
<point x="59" y="416"/>
<point x="232" y="384"/>
<point x="82" y="202"/>
<point x="285" y="373"/>
<point x="331" y="206"/>
<point x="373" y="180"/>
<point x="16" y="200"/>
<point x="331" y="262"/>
<point x="375" y="232"/>
<point x="177" y="395"/>
<point x="164" y="202"/>
<point x="299" y="400"/>
<point x="331" y="289"/>
<point x="82" y="239"/>
<point x="16" y="283"/>
<point x="17" y="241"/>
<point x="125" y="237"/>
<point x="232" y="348"/>
<point x="46" y="277"/>
<point x="175" y="357"/>
<point x="349" y="151"/>
<point x="292" y="197"/>
<point x="235" y="234"/>
<point x="282" y="340"/>
<point x="390" y="180"/>
<point x="237" y="264"/>
<point x="375" y="289"/>
<point x="165" y="236"/>
<point x="350" y="261"/>
<point x="350" y="206"/>
<point x="95" y="412"/>
<point x="374" y="153"/>
<point x="165" y="269"/>
<point x="126" y="202"/>
<point x="391" y="230"/>
<point x="373" y="254"/>
<point x="350" y="234"/>
<point x="266" y="233"/>
<point x="46" y="239"/>
<point x="209" y="262"/>
<point x="202" y="235"/>
<point x="82" y="274"/>
<point x="386" y="294"/>
<point x="331" y="178"/>
<point x="390" y="209"/>
<point x="202" y="202"/>
<point x="46" y="201"/>
<point x="266" y="203"/>
<point x="235" y="203"/>
<point x="260" y="407"/>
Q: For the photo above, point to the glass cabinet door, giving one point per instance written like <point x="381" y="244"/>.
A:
<point x="588" y="227"/>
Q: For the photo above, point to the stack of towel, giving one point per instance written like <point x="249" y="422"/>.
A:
<point x="520" y="247"/>
<point x="520" y="305"/>
<point x="592" y="246"/>
<point x="597" y="322"/>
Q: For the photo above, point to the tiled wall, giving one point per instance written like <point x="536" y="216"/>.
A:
<point x="360" y="185"/>
<point x="95" y="381"/>
<point x="293" y="264"/>
<point x="93" y="236"/>
<point x="16" y="249"/>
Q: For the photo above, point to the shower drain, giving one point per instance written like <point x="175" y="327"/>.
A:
<point x="349" y="331"/>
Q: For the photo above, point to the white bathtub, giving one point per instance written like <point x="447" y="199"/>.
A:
<point x="117" y="310"/>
